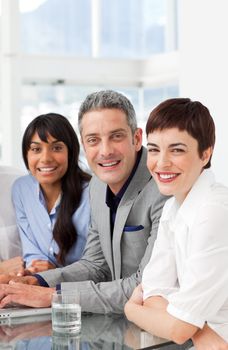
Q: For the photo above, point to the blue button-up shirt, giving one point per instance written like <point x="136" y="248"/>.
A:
<point x="36" y="224"/>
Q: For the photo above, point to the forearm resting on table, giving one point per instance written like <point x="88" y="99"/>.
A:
<point x="153" y="318"/>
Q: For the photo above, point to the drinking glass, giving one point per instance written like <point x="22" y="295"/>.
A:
<point x="66" y="312"/>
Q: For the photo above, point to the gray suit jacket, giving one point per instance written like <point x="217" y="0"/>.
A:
<point x="112" y="267"/>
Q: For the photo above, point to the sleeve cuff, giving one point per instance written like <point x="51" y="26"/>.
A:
<point x="58" y="286"/>
<point x="41" y="280"/>
<point x="185" y="316"/>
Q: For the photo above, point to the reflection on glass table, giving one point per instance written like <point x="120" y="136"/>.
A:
<point x="98" y="332"/>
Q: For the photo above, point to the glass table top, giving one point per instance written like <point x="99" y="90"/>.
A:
<point x="98" y="332"/>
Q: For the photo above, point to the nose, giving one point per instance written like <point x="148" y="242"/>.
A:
<point x="164" y="160"/>
<point x="46" y="156"/>
<point x="106" y="148"/>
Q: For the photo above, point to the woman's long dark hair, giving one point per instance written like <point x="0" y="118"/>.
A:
<point x="59" y="127"/>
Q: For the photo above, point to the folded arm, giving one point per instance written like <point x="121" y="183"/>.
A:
<point x="153" y="318"/>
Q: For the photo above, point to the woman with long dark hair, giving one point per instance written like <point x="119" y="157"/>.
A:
<point x="52" y="202"/>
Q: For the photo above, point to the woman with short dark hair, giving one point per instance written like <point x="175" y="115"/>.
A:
<point x="184" y="292"/>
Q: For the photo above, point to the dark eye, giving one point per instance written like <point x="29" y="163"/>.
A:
<point x="153" y="150"/>
<point x="35" y="149"/>
<point x="117" y="136"/>
<point x="177" y="150"/>
<point x="92" y="141"/>
<point x="58" y="148"/>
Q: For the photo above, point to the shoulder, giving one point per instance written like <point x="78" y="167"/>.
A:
<point x="209" y="221"/>
<point x="85" y="185"/>
<point x="170" y="204"/>
<point x="23" y="183"/>
<point x="219" y="192"/>
<point x="25" y="179"/>
<point x="97" y="193"/>
<point x="207" y="191"/>
<point x="96" y="184"/>
<point x="218" y="195"/>
<point x="211" y="209"/>
<point x="85" y="191"/>
<point x="83" y="210"/>
<point x="152" y="195"/>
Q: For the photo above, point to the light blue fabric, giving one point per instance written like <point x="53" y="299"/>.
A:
<point x="36" y="225"/>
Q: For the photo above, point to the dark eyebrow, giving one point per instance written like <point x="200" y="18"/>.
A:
<point x="170" y="146"/>
<point x="57" y="141"/>
<point x="177" y="144"/>
<point x="53" y="142"/>
<point x="36" y="142"/>
<point x="152" y="144"/>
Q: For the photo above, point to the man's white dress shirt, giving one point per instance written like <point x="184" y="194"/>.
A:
<point x="189" y="263"/>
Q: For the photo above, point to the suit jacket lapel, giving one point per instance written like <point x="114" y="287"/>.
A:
<point x="139" y="180"/>
<point x="121" y="217"/>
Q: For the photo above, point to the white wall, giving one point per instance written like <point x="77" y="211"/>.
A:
<point x="203" y="67"/>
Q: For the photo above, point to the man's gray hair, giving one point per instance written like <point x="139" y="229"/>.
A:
<point x="108" y="99"/>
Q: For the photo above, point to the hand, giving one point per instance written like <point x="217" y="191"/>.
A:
<point x="135" y="299"/>
<point x="208" y="339"/>
<point x="137" y="295"/>
<point x="35" y="267"/>
<point x="28" y="295"/>
<point x="11" y="278"/>
<point x="40" y="265"/>
<point x="5" y="278"/>
<point x="13" y="265"/>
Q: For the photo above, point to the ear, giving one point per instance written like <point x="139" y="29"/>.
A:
<point x="138" y="139"/>
<point x="207" y="155"/>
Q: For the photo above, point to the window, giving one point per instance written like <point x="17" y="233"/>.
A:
<point x="60" y="51"/>
<point x="133" y="28"/>
<point x="56" y="27"/>
<point x="100" y="28"/>
<point x="66" y="100"/>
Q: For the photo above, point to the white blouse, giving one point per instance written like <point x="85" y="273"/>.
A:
<point x="189" y="263"/>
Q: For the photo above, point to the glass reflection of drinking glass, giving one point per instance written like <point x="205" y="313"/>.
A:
<point x="65" y="342"/>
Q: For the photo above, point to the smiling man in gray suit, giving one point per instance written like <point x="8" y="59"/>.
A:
<point x="125" y="211"/>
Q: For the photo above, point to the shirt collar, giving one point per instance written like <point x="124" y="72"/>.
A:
<point x="119" y="195"/>
<point x="189" y="208"/>
<point x="43" y="202"/>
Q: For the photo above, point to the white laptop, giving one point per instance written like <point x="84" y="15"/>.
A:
<point x="15" y="312"/>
